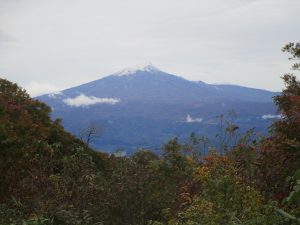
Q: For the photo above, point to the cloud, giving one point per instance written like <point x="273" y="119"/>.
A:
<point x="35" y="88"/>
<point x="209" y="40"/>
<point x="6" y="38"/>
<point x="83" y="100"/>
<point x="271" y="116"/>
<point x="189" y="119"/>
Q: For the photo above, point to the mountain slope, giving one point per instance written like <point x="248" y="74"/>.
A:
<point x="145" y="107"/>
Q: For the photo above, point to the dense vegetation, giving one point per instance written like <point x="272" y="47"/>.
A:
<point x="50" y="177"/>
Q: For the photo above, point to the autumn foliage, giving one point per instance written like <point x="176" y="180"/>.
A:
<point x="50" y="177"/>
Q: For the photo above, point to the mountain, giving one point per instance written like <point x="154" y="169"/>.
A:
<point x="144" y="107"/>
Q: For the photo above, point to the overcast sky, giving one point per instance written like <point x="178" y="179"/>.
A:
<point x="50" y="45"/>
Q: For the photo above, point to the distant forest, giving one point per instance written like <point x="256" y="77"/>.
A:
<point x="50" y="177"/>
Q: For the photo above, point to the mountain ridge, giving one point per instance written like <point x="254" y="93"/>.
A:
<point x="147" y="105"/>
<point x="148" y="73"/>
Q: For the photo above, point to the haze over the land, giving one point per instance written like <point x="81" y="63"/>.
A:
<point x="47" y="46"/>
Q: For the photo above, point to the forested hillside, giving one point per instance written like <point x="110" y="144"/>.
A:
<point x="49" y="177"/>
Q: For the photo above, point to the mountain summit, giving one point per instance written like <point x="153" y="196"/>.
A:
<point x="144" y="106"/>
<point x="145" y="67"/>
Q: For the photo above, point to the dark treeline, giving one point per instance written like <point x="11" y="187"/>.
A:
<point x="48" y="176"/>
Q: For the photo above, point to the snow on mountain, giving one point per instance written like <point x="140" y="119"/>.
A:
<point x="144" y="67"/>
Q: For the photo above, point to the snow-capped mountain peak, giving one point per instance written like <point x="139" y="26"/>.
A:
<point x="142" y="105"/>
<point x="145" y="67"/>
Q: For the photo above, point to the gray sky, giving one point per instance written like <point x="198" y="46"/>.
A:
<point x="50" y="45"/>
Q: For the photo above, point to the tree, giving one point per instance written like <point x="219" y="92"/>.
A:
<point x="90" y="133"/>
<point x="289" y="102"/>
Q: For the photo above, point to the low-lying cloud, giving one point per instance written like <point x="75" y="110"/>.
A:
<point x="270" y="116"/>
<point x="83" y="100"/>
<point x="190" y="119"/>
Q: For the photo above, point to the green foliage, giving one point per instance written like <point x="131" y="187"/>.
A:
<point x="224" y="199"/>
<point x="293" y="199"/>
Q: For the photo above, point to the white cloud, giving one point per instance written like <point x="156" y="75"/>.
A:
<point x="271" y="116"/>
<point x="83" y="100"/>
<point x="35" y="88"/>
<point x="189" y="119"/>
